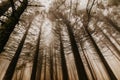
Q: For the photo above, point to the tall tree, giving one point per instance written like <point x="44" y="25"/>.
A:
<point x="11" y="68"/>
<point x="8" y="27"/>
<point x="78" y="61"/>
<point x="89" y="63"/>
<point x="58" y="34"/>
<point x="63" y="60"/>
<point x="85" y="26"/>
<point x="45" y="63"/>
<point x="51" y="61"/>
<point x="109" y="70"/>
<point x="77" y="58"/>
<point x="39" y="66"/>
<point x="116" y="48"/>
<point x="56" y="66"/>
<point x="35" y="61"/>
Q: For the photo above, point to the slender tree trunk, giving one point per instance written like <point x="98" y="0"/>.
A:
<point x="51" y="64"/>
<point x="109" y="70"/>
<point x="56" y="71"/>
<point x="39" y="67"/>
<point x="78" y="61"/>
<point x="85" y="27"/>
<point x="108" y="46"/>
<point x="45" y="67"/>
<point x="11" y="68"/>
<point x="63" y="60"/>
<point x="34" y="68"/>
<point x="8" y="27"/>
<point x="110" y="41"/>
<point x="89" y="64"/>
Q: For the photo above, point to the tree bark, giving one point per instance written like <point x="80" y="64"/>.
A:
<point x="45" y="67"/>
<point x="39" y="66"/>
<point x="35" y="62"/>
<point x="109" y="70"/>
<point x="11" y="68"/>
<point x="113" y="45"/>
<point x="63" y="60"/>
<point x="56" y="70"/>
<point x="8" y="27"/>
<point x="51" y="64"/>
<point x="78" y="61"/>
<point x="89" y="63"/>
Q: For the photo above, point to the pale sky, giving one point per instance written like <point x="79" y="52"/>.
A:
<point x="46" y="3"/>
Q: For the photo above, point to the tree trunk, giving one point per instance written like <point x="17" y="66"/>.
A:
<point x="116" y="48"/>
<point x="11" y="68"/>
<point x="35" y="62"/>
<point x="78" y="61"/>
<point x="45" y="67"/>
<point x="39" y="66"/>
<point x="63" y="60"/>
<point x="8" y="27"/>
<point x="109" y="70"/>
<point x="89" y="63"/>
<point x="51" y="64"/>
<point x="56" y="71"/>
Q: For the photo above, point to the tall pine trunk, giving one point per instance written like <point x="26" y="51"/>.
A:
<point x="11" y="68"/>
<point x="56" y="70"/>
<point x="89" y="63"/>
<point x="78" y="61"/>
<point x="113" y="45"/>
<point x="109" y="70"/>
<point x="45" y="63"/>
<point x="63" y="60"/>
<point x="8" y="27"/>
<point x="85" y="26"/>
<point x="35" y="60"/>
<point x="51" y="63"/>
<point x="39" y="66"/>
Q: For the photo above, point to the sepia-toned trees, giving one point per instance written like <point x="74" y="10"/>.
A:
<point x="59" y="40"/>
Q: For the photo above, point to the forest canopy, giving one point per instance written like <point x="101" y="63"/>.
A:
<point x="59" y="39"/>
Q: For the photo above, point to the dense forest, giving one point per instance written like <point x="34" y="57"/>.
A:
<point x="59" y="39"/>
